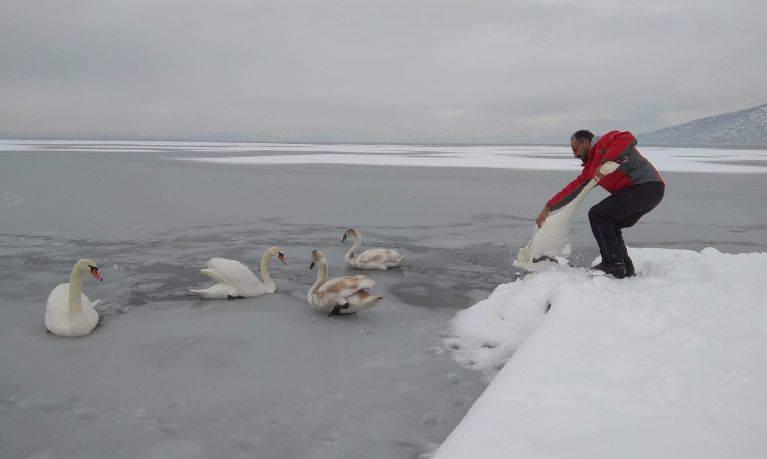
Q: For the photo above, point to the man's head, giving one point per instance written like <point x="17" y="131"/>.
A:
<point x="581" y="142"/>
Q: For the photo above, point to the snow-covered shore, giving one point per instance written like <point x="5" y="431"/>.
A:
<point x="670" y="364"/>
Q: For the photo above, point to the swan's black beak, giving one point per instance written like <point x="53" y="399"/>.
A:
<point x="281" y="256"/>
<point x="311" y="265"/>
<point x="343" y="239"/>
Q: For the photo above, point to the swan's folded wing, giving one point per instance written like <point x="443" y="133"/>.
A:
<point x="344" y="287"/>
<point x="378" y="256"/>
<point x="234" y="273"/>
<point x="214" y="275"/>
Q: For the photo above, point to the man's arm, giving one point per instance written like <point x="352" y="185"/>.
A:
<point x="567" y="194"/>
<point x="570" y="191"/>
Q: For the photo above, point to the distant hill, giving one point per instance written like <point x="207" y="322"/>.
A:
<point x="744" y="127"/>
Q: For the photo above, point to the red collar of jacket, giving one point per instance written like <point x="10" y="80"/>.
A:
<point x="592" y="150"/>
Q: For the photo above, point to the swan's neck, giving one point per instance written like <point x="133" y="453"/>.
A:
<point x="322" y="276"/>
<point x="357" y="244"/>
<point x="265" y="270"/>
<point x="589" y="186"/>
<point x="75" y="291"/>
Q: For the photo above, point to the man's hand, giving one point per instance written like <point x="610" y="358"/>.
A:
<point x="607" y="168"/>
<point x="542" y="216"/>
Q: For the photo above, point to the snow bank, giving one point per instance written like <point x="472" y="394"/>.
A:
<point x="670" y="364"/>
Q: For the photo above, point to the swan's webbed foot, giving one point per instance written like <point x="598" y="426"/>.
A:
<point x="337" y="310"/>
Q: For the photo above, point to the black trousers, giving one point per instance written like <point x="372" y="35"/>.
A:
<point x="622" y="209"/>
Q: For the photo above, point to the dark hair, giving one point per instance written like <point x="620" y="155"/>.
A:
<point x="583" y="134"/>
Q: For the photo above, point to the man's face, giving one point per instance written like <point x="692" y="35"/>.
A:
<point x="580" y="148"/>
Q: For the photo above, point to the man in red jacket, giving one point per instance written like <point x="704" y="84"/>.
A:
<point x="636" y="188"/>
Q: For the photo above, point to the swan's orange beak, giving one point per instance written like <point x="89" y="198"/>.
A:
<point x="95" y="273"/>
<point x="281" y="256"/>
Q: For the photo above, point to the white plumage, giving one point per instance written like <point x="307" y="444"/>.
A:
<point x="235" y="280"/>
<point x="548" y="241"/>
<point x="68" y="312"/>
<point x="371" y="258"/>
<point x="342" y="295"/>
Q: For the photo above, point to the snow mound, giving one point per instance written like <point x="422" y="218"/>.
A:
<point x="669" y="364"/>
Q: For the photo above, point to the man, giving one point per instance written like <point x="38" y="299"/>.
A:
<point x="636" y="188"/>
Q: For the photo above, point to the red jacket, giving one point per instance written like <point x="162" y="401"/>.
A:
<point x="614" y="146"/>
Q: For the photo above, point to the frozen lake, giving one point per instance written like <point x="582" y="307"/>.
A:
<point x="167" y="375"/>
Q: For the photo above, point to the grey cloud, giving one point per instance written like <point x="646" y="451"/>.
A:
<point x="427" y="71"/>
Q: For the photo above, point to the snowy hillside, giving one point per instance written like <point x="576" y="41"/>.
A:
<point x="670" y="364"/>
<point x="744" y="127"/>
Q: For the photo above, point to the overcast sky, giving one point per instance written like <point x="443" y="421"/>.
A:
<point x="378" y="70"/>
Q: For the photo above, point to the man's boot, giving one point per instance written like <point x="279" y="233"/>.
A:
<point x="617" y="269"/>
<point x="605" y="232"/>
<point x="625" y="253"/>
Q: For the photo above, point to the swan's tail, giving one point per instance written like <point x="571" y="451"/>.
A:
<point x="393" y="263"/>
<point x="360" y="301"/>
<point x="216" y="291"/>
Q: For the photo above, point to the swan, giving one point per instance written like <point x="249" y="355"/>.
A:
<point x="68" y="311"/>
<point x="342" y="295"/>
<point x="371" y="258"/>
<point x="235" y="280"/>
<point x="549" y="240"/>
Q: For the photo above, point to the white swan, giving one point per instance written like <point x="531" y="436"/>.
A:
<point x="342" y="295"/>
<point x="371" y="258"/>
<point x="548" y="241"/>
<point x="68" y="311"/>
<point x="235" y="280"/>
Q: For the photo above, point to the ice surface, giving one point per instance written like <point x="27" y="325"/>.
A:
<point x="168" y="375"/>
<point x="668" y="364"/>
